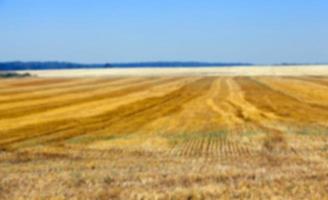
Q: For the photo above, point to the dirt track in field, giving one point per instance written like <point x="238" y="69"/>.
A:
<point x="222" y="126"/>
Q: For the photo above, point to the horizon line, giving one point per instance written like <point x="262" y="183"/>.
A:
<point x="163" y="61"/>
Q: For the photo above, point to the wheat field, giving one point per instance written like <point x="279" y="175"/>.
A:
<point x="167" y="137"/>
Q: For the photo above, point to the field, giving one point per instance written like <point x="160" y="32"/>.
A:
<point x="169" y="137"/>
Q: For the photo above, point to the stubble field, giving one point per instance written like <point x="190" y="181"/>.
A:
<point x="164" y="138"/>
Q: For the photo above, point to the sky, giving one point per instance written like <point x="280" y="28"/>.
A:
<point x="98" y="31"/>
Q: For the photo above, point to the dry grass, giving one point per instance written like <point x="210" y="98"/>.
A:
<point x="164" y="138"/>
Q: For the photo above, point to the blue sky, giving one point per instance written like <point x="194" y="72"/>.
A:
<point x="151" y="30"/>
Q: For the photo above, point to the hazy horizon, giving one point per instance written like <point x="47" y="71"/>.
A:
<point x="139" y="31"/>
<point x="161" y="61"/>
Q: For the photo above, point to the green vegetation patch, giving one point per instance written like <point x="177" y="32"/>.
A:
<point x="13" y="75"/>
<point x="89" y="138"/>
<point x="183" y="137"/>
<point x="312" y="132"/>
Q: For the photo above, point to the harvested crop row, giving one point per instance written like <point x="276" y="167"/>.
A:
<point x="9" y="90"/>
<point x="317" y="80"/>
<point x="286" y="107"/>
<point x="305" y="91"/>
<point x="37" y="82"/>
<point x="44" y="106"/>
<point x="80" y="87"/>
<point x="136" y="114"/>
<point x="95" y="89"/>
